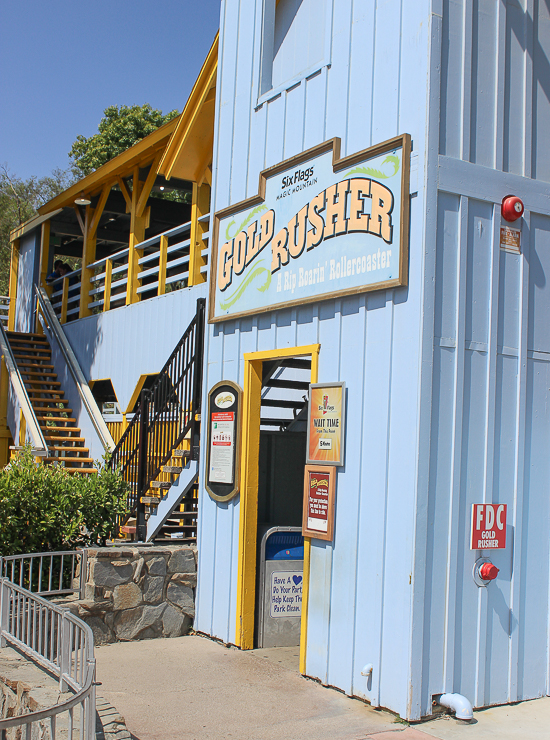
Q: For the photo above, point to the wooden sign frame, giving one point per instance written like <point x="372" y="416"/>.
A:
<point x="224" y="491"/>
<point x="339" y="163"/>
<point x="328" y="473"/>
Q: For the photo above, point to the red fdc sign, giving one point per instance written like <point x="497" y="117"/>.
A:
<point x="488" y="526"/>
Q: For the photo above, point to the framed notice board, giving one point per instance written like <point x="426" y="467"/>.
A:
<point x="223" y="440"/>
<point x="319" y="495"/>
<point x="326" y="423"/>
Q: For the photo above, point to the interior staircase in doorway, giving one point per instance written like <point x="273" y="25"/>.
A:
<point x="33" y="355"/>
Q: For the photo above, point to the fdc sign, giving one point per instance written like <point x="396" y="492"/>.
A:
<point x="488" y="526"/>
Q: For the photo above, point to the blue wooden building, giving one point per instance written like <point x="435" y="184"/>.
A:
<point x="358" y="155"/>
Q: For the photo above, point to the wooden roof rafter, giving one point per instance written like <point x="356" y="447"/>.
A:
<point x="142" y="154"/>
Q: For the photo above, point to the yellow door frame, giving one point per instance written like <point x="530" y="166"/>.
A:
<point x="248" y="524"/>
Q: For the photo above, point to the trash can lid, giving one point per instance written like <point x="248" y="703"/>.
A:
<point x="285" y="546"/>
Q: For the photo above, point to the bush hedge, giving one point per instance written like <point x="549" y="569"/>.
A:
<point x="45" y="508"/>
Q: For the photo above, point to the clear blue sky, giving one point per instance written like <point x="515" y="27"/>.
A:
<point x="63" y="62"/>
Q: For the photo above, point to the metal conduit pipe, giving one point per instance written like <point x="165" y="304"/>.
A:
<point x="459" y="705"/>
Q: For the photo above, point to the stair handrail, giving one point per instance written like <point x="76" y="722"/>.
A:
<point x="39" y="446"/>
<point x="78" y="376"/>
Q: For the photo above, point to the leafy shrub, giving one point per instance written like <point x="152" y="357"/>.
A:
<point x="44" y="508"/>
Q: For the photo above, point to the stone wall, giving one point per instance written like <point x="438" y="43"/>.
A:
<point x="136" y="593"/>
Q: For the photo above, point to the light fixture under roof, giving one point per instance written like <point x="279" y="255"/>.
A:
<point x="82" y="200"/>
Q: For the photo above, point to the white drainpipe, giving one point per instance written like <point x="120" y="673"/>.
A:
<point x="459" y="704"/>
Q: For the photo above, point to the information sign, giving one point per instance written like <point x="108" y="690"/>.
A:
<point x="326" y="423"/>
<point x="318" y="514"/>
<point x="488" y="527"/>
<point x="286" y="594"/>
<point x="224" y="403"/>
<point x="510" y="239"/>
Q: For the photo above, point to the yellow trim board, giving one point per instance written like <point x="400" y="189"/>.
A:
<point x="248" y="524"/>
<point x="138" y="155"/>
<point x="137" y="391"/>
<point x="193" y="138"/>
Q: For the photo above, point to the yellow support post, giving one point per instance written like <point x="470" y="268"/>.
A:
<point x="138" y="224"/>
<point x="200" y="207"/>
<point x="246" y="577"/>
<point x="163" y="261"/>
<point x="88" y="257"/>
<point x="64" y="300"/>
<point x="107" y="287"/>
<point x="44" y="252"/>
<point x="22" y="429"/>
<point x="91" y="222"/>
<point x="43" y="270"/>
<point x="5" y="435"/>
<point x="14" y="269"/>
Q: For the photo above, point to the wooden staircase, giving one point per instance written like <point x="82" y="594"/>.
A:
<point x="181" y="523"/>
<point x="32" y="353"/>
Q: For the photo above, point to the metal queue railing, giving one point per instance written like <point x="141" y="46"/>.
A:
<point x="61" y="643"/>
<point x="47" y="573"/>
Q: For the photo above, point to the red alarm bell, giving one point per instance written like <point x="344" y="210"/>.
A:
<point x="512" y="208"/>
<point x="488" y="572"/>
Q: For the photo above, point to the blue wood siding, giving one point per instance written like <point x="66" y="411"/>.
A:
<point x="448" y="379"/>
<point x="127" y="342"/>
<point x="29" y="256"/>
<point x="361" y="592"/>
<point x="495" y="84"/>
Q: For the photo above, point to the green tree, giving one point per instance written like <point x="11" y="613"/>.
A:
<point x="19" y="201"/>
<point x="119" y="129"/>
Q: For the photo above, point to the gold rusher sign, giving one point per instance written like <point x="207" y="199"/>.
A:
<point x="319" y="227"/>
<point x="326" y="423"/>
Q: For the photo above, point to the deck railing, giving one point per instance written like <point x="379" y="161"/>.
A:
<point x="164" y="266"/>
<point x="4" y="309"/>
<point x="62" y="644"/>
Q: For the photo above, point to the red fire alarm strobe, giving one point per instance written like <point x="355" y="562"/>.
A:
<point x="512" y="208"/>
<point x="488" y="527"/>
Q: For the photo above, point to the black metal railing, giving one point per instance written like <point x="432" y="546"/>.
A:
<point x="169" y="412"/>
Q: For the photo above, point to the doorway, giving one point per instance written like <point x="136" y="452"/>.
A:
<point x="274" y="428"/>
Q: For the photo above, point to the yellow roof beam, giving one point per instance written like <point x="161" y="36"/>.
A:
<point x="149" y="182"/>
<point x="98" y="211"/>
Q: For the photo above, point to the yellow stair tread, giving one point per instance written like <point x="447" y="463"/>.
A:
<point x="34" y="364"/>
<point x="32" y="382"/>
<point x="33" y="342"/>
<point x="38" y="373"/>
<point x="69" y="459"/>
<point x="56" y="410"/>
<point x="63" y="439"/>
<point x="51" y="400"/>
<point x="55" y="418"/>
<point x="81" y="470"/>
<point x="12" y="333"/>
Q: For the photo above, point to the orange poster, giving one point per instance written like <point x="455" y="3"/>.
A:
<point x="325" y="433"/>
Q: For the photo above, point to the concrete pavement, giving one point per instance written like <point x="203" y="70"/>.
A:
<point x="192" y="688"/>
